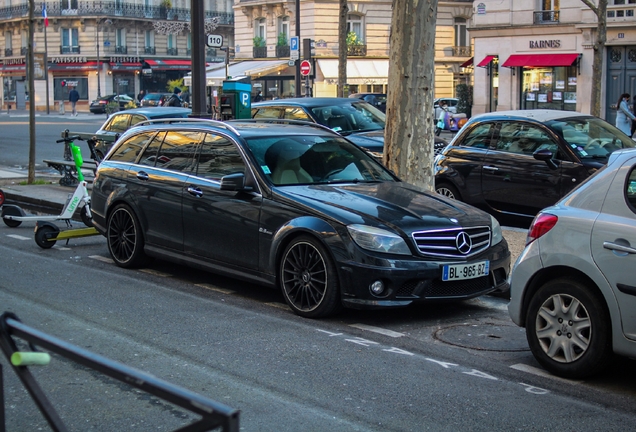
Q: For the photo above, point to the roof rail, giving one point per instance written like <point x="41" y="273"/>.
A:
<point x="188" y="120"/>
<point x="284" y="121"/>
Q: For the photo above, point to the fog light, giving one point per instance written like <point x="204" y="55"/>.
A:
<point x="377" y="287"/>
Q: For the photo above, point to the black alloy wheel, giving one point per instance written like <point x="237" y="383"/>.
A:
<point x="568" y="328"/>
<point x="308" y="279"/>
<point x="124" y="238"/>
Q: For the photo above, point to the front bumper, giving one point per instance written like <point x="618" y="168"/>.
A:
<point x="409" y="280"/>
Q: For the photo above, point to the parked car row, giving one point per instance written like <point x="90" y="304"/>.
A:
<point x="100" y="105"/>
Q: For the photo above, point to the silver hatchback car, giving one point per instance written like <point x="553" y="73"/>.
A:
<point x="574" y="286"/>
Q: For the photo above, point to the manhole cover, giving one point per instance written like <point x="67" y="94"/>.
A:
<point x="485" y="337"/>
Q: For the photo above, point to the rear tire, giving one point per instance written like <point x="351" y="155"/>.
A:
<point x="125" y="239"/>
<point x="568" y="329"/>
<point x="12" y="223"/>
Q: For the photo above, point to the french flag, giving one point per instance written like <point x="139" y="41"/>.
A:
<point x="44" y="15"/>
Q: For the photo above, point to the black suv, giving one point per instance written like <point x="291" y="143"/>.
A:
<point x="291" y="205"/>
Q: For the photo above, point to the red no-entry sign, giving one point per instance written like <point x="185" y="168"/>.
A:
<point x="305" y="67"/>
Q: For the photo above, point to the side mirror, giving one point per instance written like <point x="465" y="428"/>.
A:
<point x="546" y="156"/>
<point x="234" y="182"/>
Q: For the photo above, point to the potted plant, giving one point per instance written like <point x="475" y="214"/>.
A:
<point x="355" y="46"/>
<point x="260" y="48"/>
<point x="282" y="45"/>
<point x="465" y="96"/>
<point x="163" y="8"/>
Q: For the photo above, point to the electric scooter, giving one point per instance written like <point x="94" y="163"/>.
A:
<point x="47" y="233"/>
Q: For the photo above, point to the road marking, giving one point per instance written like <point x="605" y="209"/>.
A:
<point x="18" y="237"/>
<point x="279" y="305"/>
<point x="64" y="248"/>
<point x="101" y="258"/>
<point x="214" y="288"/>
<point x="379" y="330"/>
<point x="155" y="272"/>
<point x="540" y="372"/>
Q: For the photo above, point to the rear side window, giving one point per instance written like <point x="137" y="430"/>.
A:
<point x="266" y="112"/>
<point x="218" y="157"/>
<point x="119" y="123"/>
<point x="150" y="154"/>
<point x="178" y="149"/>
<point x="296" y="113"/>
<point x="630" y="189"/>
<point x="479" y="136"/>
<point x="523" y="138"/>
<point x="136" y="119"/>
<point x="129" y="150"/>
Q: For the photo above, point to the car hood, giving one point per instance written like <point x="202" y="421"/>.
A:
<point x="372" y="140"/>
<point x="394" y="204"/>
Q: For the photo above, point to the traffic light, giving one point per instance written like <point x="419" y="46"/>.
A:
<point x="308" y="47"/>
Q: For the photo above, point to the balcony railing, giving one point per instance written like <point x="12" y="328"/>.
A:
<point x="149" y="50"/>
<point x="546" y="17"/>
<point x="97" y="8"/>
<point x="260" y="52"/>
<point x="282" y="51"/>
<point x="121" y="50"/>
<point x="172" y="51"/>
<point x="8" y="52"/>
<point x="24" y="51"/>
<point x="462" y="51"/>
<point x="356" y="50"/>
<point x="69" y="50"/>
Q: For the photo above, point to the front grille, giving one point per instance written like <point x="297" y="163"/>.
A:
<point x="460" y="288"/>
<point x="451" y="243"/>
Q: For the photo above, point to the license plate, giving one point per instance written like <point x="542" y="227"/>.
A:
<point x="454" y="272"/>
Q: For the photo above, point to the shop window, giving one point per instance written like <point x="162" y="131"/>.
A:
<point x="549" y="88"/>
<point x="60" y="92"/>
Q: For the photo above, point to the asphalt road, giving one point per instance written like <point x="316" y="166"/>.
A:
<point x="444" y="367"/>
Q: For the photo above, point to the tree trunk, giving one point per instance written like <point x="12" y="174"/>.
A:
<point x="599" y="51"/>
<point x="409" y="133"/>
<point x="342" y="46"/>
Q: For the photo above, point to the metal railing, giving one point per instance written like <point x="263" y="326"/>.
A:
<point x="213" y="414"/>
<point x="69" y="49"/>
<point x="260" y="52"/>
<point x="546" y="17"/>
<point x="356" y="50"/>
<point x="282" y="51"/>
<point x="8" y="52"/>
<point x="121" y="50"/>
<point x="55" y="9"/>
<point x="24" y="51"/>
<point x="172" y="51"/>
<point x="462" y="51"/>
<point x="149" y="50"/>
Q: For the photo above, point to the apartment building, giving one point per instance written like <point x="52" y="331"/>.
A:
<point x="101" y="47"/>
<point x="262" y="45"/>
<point x="539" y="54"/>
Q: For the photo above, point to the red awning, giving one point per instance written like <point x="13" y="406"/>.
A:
<point x="467" y="63"/>
<point x="125" y="66"/>
<point x="486" y="61"/>
<point x="14" y="69"/>
<point x="540" y="60"/>
<point x="87" y="66"/>
<point x="170" y="64"/>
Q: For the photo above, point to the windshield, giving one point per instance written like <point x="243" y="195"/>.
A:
<point x="349" y="118"/>
<point x="591" y="137"/>
<point x="310" y="159"/>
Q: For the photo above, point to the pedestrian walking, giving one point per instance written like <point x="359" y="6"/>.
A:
<point x="73" y="97"/>
<point x="624" y="116"/>
<point x="141" y="95"/>
<point x="175" y="99"/>
<point x="258" y="96"/>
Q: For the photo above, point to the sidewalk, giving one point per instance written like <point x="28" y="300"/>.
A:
<point x="81" y="115"/>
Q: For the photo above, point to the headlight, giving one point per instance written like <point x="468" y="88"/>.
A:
<point x="497" y="235"/>
<point x="378" y="240"/>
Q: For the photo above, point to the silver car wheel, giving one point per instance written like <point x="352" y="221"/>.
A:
<point x="447" y="191"/>
<point x="563" y="328"/>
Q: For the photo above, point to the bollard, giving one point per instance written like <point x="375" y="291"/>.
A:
<point x="61" y="107"/>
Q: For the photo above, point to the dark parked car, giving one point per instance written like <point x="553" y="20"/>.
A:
<point x="99" y="105"/>
<point x="120" y="122"/>
<point x="291" y="206"/>
<point x="378" y="100"/>
<point x="519" y="162"/>
<point x="154" y="99"/>
<point x="355" y="119"/>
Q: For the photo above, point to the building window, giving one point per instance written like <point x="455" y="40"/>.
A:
<point x="69" y="4"/>
<point x="171" y="41"/>
<point x="461" y="33"/>
<point x="283" y="28"/>
<point x="550" y="5"/>
<point x="70" y="41"/>
<point x="355" y="24"/>
<point x="8" y="41"/>
<point x="259" y="28"/>
<point x="120" y="37"/>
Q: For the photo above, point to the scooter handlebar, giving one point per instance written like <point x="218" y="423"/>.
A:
<point x="68" y="139"/>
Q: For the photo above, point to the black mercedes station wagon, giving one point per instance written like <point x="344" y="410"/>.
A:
<point x="292" y="205"/>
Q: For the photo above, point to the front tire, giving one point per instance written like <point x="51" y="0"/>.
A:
<point x="125" y="239"/>
<point x="43" y="234"/>
<point x="449" y="191"/>
<point x="568" y="329"/>
<point x="308" y="279"/>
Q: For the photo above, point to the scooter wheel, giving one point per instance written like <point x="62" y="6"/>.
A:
<point x="12" y="223"/>
<point x="84" y="215"/>
<point x="43" y="234"/>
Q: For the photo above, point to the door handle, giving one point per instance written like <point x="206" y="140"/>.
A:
<point x="619" y="248"/>
<point x="192" y="190"/>
<point x="491" y="168"/>
<point x="142" y="175"/>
